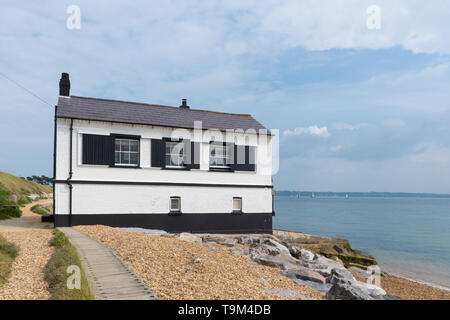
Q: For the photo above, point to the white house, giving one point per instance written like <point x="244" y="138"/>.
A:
<point x="177" y="169"/>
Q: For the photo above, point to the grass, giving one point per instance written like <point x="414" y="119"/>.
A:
<point x="39" y="209"/>
<point x="12" y="184"/>
<point x="10" y="212"/>
<point x="55" y="271"/>
<point x="8" y="252"/>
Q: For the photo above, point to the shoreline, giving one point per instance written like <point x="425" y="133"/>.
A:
<point x="393" y="282"/>
<point x="422" y="282"/>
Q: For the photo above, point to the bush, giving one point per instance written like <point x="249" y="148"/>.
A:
<point x="8" y="252"/>
<point x="37" y="208"/>
<point x="24" y="201"/>
<point x="59" y="239"/>
<point x="55" y="272"/>
<point x="10" y="212"/>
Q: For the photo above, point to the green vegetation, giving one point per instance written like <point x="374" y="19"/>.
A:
<point x="8" y="252"/>
<point x="55" y="271"/>
<point x="40" y="179"/>
<point x="14" y="193"/>
<point x="39" y="209"/>
<point x="15" y="185"/>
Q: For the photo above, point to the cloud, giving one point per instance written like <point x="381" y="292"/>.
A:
<point x="311" y="130"/>
<point x="318" y="25"/>
<point x="394" y="123"/>
<point x="347" y="126"/>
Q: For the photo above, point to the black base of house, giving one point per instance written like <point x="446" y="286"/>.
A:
<point x="47" y="218"/>
<point x="192" y="222"/>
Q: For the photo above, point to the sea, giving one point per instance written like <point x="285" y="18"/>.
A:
<point x="408" y="236"/>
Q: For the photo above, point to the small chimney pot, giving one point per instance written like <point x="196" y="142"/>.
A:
<point x="64" y="85"/>
<point x="184" y="104"/>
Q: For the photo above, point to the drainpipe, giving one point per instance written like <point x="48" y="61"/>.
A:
<point x="54" y="170"/>
<point x="70" y="174"/>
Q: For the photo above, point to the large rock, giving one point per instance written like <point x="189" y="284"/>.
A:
<point x="189" y="237"/>
<point x="329" y="247"/>
<point x="368" y="288"/>
<point x="327" y="265"/>
<point x="360" y="273"/>
<point x="280" y="261"/>
<point x="341" y="275"/>
<point x="301" y="253"/>
<point x="305" y="274"/>
<point x="321" y="287"/>
<point x="223" y="240"/>
<point x="275" y="246"/>
<point x="342" y="291"/>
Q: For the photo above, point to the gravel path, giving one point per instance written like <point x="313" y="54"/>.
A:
<point x="26" y="281"/>
<point x="28" y="221"/>
<point x="175" y="269"/>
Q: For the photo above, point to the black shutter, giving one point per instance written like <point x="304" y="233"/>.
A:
<point x="250" y="159"/>
<point x="158" y="153"/>
<point x="98" y="149"/>
<point x="195" y="155"/>
<point x="244" y="158"/>
<point x="187" y="153"/>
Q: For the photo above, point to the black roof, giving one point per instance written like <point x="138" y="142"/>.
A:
<point x="149" y="114"/>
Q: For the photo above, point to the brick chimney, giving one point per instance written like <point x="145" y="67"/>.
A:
<point x="64" y="85"/>
<point x="184" y="104"/>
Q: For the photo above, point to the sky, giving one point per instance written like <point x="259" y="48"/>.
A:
<point x="361" y="103"/>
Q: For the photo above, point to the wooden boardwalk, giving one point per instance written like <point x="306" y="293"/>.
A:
<point x="108" y="276"/>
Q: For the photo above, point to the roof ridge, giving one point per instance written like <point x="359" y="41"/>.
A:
<point x="165" y="106"/>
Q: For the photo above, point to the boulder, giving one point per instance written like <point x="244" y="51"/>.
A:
<point x="341" y="275"/>
<point x="280" y="261"/>
<point x="326" y="265"/>
<point x="275" y="246"/>
<point x="368" y="288"/>
<point x="248" y="240"/>
<point x="223" y="240"/>
<point x="189" y="237"/>
<point x="360" y="273"/>
<point x="305" y="274"/>
<point x="321" y="287"/>
<point x="342" y="291"/>
<point x="307" y="255"/>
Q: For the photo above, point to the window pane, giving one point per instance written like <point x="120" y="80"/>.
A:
<point x="117" y="145"/>
<point x="168" y="147"/>
<point x="174" y="204"/>
<point x="125" y="145"/>
<point x="117" y="157"/>
<point x="134" y="145"/>
<point x="125" y="158"/>
<point x="134" y="158"/>
<point x="237" y="204"/>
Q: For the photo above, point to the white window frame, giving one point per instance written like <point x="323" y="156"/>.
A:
<point x="129" y="152"/>
<point x="179" y="204"/>
<point x="175" y="144"/>
<point x="223" y="156"/>
<point x="240" y="209"/>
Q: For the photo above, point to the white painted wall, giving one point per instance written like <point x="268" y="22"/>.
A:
<point x="90" y="199"/>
